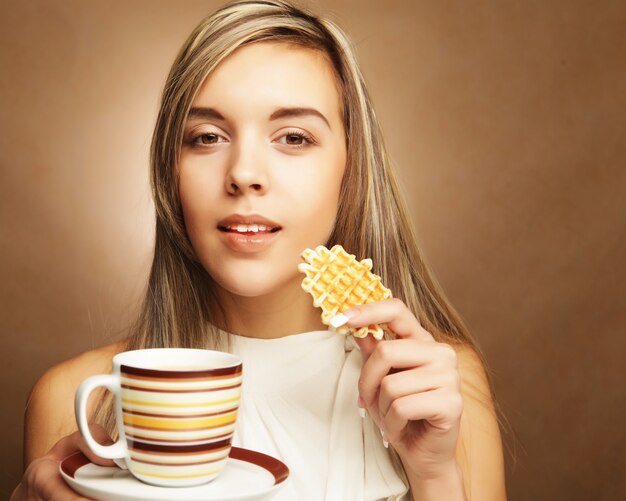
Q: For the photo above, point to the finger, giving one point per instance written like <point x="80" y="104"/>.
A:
<point x="393" y="312"/>
<point x="401" y="354"/>
<point x="75" y="442"/>
<point x="409" y="382"/>
<point x="51" y="486"/>
<point x="441" y="409"/>
<point x="366" y="346"/>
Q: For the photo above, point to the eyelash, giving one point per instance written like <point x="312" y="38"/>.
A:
<point x="194" y="140"/>
<point x="297" y="133"/>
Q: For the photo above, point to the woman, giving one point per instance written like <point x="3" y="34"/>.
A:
<point x="266" y="143"/>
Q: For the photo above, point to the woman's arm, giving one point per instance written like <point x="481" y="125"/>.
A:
<point x="479" y="466"/>
<point x="49" y="414"/>
<point x="432" y="404"/>
<point x="49" y="426"/>
<point x="479" y="450"/>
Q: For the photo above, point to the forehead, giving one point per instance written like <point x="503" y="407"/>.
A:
<point x="257" y="78"/>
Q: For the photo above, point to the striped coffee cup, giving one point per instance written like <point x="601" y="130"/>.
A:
<point x="176" y="410"/>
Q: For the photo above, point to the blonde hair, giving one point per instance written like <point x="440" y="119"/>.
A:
<point x="180" y="308"/>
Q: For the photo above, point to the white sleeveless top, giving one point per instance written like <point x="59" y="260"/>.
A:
<point x="299" y="404"/>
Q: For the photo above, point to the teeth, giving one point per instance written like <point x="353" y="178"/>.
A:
<point x="245" y="228"/>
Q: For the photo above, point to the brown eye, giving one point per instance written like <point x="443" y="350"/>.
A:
<point x="294" y="139"/>
<point x="297" y="139"/>
<point x="208" y="138"/>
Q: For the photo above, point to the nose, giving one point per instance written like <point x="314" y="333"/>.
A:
<point x="247" y="172"/>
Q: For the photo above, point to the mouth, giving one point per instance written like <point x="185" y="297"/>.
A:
<point x="248" y="229"/>
<point x="248" y="234"/>
<point x="250" y="225"/>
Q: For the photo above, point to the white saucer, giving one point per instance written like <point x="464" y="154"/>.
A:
<point x="249" y="475"/>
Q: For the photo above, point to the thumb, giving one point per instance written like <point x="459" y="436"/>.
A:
<point x="75" y="442"/>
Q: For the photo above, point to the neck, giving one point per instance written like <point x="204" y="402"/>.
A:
<point x="280" y="313"/>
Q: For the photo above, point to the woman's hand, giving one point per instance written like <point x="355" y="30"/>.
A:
<point x="411" y="388"/>
<point x="42" y="480"/>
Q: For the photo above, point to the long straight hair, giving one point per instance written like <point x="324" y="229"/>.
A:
<point x="180" y="308"/>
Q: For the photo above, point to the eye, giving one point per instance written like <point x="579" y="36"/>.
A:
<point x="206" y="138"/>
<point x="297" y="139"/>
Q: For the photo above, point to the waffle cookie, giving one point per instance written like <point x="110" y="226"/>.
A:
<point x="337" y="282"/>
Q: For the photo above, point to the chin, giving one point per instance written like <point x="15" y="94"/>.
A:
<point x="252" y="284"/>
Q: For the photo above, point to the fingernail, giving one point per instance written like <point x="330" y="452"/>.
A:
<point x="351" y="313"/>
<point x="361" y="404"/>
<point x="343" y="318"/>
<point x="338" y="320"/>
<point x="385" y="443"/>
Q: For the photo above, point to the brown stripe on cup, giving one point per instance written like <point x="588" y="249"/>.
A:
<point x="140" y="438"/>
<point x="179" y="449"/>
<point x="163" y="375"/>
<point x="154" y="428"/>
<point x="189" y="415"/>
<point x="192" y="463"/>
<point x="196" y="390"/>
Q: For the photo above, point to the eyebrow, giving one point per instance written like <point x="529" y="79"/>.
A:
<point x="297" y="112"/>
<point x="205" y="113"/>
<point x="212" y="113"/>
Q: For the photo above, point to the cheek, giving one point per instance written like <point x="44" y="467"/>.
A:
<point x="312" y="202"/>
<point x="198" y="193"/>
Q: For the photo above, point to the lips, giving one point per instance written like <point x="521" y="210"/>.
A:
<point x="252" y="224"/>
<point x="258" y="234"/>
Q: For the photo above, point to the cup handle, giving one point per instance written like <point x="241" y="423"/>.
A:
<point x="112" y="383"/>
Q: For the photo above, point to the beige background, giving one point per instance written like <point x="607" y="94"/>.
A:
<point x="507" y="122"/>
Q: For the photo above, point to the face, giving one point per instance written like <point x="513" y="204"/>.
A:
<point x="261" y="167"/>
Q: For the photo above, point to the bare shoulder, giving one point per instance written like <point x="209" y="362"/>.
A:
<point x="49" y="412"/>
<point x="479" y="450"/>
<point x="75" y="369"/>
<point x="67" y="375"/>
